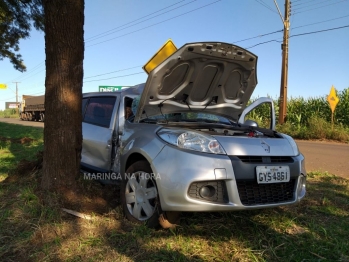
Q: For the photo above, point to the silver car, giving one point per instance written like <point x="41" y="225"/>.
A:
<point x="183" y="141"/>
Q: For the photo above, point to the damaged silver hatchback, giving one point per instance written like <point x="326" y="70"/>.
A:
<point x="185" y="140"/>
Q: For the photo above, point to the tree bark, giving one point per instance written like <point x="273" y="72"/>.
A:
<point x="64" y="47"/>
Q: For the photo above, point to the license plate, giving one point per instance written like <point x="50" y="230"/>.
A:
<point x="272" y="174"/>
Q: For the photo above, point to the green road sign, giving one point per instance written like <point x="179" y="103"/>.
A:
<point x="111" y="88"/>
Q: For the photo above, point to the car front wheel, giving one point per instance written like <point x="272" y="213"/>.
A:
<point x="140" y="199"/>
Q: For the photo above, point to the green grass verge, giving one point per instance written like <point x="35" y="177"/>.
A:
<point x="316" y="129"/>
<point x="18" y="142"/>
<point x="8" y="113"/>
<point x="315" y="229"/>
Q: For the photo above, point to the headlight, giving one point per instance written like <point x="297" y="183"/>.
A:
<point x="293" y="144"/>
<point x="191" y="140"/>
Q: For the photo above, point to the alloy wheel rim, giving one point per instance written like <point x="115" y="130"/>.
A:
<point x="141" y="195"/>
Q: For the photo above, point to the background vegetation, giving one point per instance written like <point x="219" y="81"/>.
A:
<point x="9" y="113"/>
<point x="310" y="118"/>
<point x="300" y="111"/>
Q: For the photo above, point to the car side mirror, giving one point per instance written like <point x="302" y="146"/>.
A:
<point x="249" y="122"/>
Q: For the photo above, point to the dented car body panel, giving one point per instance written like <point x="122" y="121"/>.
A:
<point x="205" y="155"/>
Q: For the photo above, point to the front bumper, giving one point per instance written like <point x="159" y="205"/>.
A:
<point x="181" y="173"/>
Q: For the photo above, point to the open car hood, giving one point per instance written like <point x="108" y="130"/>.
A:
<point x="210" y="77"/>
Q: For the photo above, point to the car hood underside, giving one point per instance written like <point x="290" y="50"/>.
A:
<point x="217" y="78"/>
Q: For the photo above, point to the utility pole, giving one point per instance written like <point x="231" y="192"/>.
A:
<point x="16" y="97"/>
<point x="284" y="67"/>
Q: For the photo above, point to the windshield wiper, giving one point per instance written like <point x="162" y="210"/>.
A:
<point x="148" y="120"/>
<point x="211" y="121"/>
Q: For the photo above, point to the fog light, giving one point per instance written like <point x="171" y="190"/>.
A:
<point x="207" y="191"/>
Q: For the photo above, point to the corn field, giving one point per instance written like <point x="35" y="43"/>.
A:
<point x="301" y="112"/>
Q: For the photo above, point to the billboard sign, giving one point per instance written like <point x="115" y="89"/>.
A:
<point x="10" y="105"/>
<point x="111" y="88"/>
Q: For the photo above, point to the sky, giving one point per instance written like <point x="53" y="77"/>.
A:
<point x="122" y="35"/>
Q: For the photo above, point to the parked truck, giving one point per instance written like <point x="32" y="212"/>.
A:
<point x="32" y="108"/>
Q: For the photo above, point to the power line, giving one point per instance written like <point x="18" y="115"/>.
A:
<point x="112" y="31"/>
<point x="6" y="99"/>
<point x="42" y="63"/>
<point x="33" y="69"/>
<point x="22" y="79"/>
<point x="320" y="22"/>
<point x="319" y="31"/>
<point x="307" y="33"/>
<point x="274" y="40"/>
<point x="265" y="5"/>
<point x="278" y="31"/>
<point x="113" y="72"/>
<point x="318" y="7"/>
<point x="193" y="10"/>
<point x="250" y="38"/>
<point x="298" y="8"/>
<point x="142" y="72"/>
<point x="134" y="20"/>
<point x="28" y="95"/>
<point x="150" y="25"/>
<point x="114" y="77"/>
<point x="272" y="9"/>
<point x="302" y="2"/>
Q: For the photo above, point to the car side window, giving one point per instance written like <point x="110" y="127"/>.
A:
<point x="99" y="111"/>
<point x="128" y="108"/>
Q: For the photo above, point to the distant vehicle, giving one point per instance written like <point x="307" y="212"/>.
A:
<point x="32" y="108"/>
<point x="180" y="142"/>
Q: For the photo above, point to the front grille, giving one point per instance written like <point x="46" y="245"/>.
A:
<point x="220" y="195"/>
<point x="251" y="159"/>
<point x="251" y="193"/>
<point x="266" y="159"/>
<point x="281" y="159"/>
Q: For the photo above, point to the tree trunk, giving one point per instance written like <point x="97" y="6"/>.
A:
<point x="64" y="47"/>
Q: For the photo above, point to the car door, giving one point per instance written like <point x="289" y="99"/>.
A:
<point x="268" y="105"/>
<point x="98" y="129"/>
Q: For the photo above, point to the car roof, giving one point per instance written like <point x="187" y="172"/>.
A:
<point x="132" y="91"/>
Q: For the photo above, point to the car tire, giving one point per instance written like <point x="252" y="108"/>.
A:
<point x="140" y="199"/>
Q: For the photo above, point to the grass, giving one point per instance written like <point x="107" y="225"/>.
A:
<point x="18" y="143"/>
<point x="8" y="113"/>
<point x="318" y="129"/>
<point x="317" y="229"/>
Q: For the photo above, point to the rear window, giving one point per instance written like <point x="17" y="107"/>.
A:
<point x="99" y="111"/>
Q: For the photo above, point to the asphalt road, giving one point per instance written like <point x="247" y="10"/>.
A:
<point x="319" y="156"/>
<point x="325" y="156"/>
<point x="20" y="122"/>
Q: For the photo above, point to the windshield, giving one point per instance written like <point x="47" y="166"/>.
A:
<point x="182" y="117"/>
